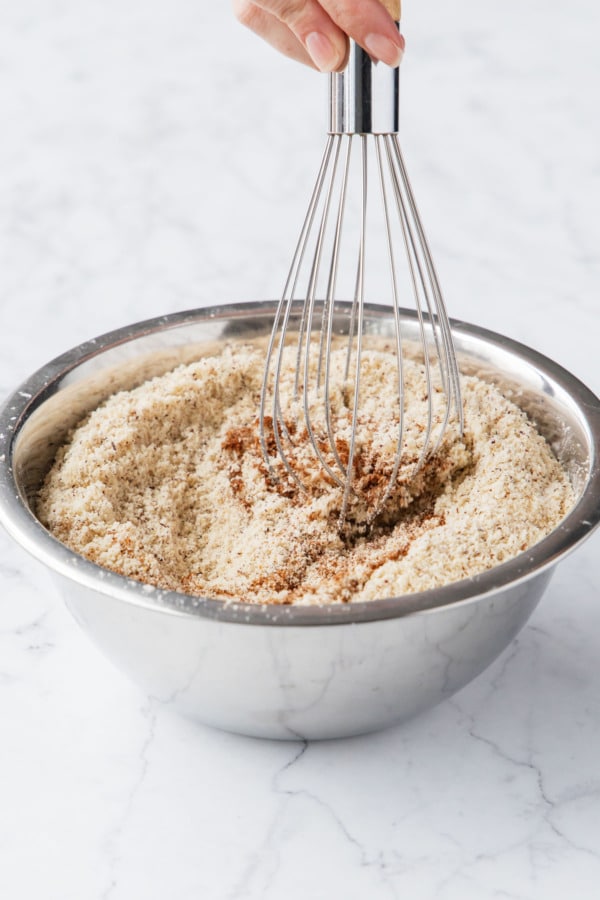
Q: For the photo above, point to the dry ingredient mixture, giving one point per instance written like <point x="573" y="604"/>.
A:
<point x="166" y="483"/>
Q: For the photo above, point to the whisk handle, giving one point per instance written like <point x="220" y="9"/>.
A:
<point x="393" y="7"/>
<point x="364" y="98"/>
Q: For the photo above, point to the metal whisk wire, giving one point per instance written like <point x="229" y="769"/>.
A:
<point x="300" y="314"/>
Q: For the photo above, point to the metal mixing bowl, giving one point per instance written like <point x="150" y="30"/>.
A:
<point x="292" y="672"/>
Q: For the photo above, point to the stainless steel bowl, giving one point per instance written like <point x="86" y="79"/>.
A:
<point x="292" y="672"/>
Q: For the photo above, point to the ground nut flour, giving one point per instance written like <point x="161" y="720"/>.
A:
<point x="166" y="484"/>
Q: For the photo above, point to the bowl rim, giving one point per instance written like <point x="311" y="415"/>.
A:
<point x="22" y="525"/>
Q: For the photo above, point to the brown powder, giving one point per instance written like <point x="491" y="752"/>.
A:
<point x="166" y="483"/>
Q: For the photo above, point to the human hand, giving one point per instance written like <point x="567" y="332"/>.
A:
<point x="316" y="32"/>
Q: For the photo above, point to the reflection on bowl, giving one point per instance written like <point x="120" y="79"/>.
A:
<point x="292" y="671"/>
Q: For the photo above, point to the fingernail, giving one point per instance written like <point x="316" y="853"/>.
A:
<point x="322" y="52"/>
<point x="383" y="49"/>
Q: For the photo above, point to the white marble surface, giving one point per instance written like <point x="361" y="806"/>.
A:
<point x="154" y="157"/>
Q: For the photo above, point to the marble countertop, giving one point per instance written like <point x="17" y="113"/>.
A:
<point x="154" y="157"/>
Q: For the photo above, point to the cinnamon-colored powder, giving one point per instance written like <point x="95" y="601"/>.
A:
<point x="167" y="484"/>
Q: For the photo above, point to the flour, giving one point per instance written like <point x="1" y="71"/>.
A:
<point x="166" y="484"/>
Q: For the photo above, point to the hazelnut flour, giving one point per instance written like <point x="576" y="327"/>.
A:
<point x="166" y="484"/>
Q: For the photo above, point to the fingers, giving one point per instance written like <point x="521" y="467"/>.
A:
<point x="369" y="23"/>
<point x="316" y="31"/>
<point x="268" y="27"/>
<point x="305" y="21"/>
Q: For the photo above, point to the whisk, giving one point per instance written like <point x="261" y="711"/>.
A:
<point x="372" y="240"/>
